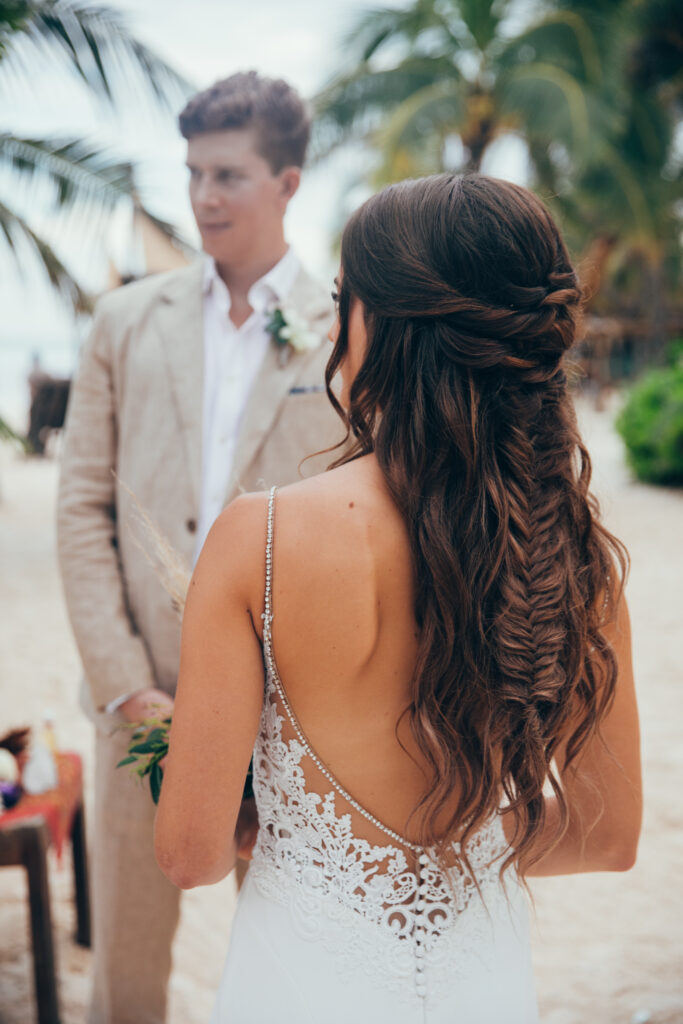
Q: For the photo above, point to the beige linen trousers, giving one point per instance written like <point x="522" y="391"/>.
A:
<point x="134" y="428"/>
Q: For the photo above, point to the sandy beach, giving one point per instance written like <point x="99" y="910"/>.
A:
<point x="608" y="948"/>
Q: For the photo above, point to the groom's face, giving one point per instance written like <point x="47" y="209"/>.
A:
<point x="238" y="201"/>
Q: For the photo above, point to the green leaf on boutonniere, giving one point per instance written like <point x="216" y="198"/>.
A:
<point x="275" y="325"/>
<point x="127" y="760"/>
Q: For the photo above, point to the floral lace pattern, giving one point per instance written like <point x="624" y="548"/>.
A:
<point x="308" y="859"/>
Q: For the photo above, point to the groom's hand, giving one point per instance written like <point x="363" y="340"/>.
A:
<point x="147" y="704"/>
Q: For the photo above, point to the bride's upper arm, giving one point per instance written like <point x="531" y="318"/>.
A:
<point x="218" y="700"/>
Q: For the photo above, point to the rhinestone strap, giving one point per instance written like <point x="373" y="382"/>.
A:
<point x="267" y="617"/>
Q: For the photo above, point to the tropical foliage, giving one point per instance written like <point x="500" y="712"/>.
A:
<point x="92" y="42"/>
<point x="592" y="88"/>
<point x="651" y="423"/>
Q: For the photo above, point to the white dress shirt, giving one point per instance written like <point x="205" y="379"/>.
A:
<point x="232" y="357"/>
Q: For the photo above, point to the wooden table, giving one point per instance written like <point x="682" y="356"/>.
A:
<point x="26" y="833"/>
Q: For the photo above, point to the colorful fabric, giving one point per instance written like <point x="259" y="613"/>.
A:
<point x="58" y="806"/>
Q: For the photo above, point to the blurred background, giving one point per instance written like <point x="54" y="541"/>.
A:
<point x="581" y="102"/>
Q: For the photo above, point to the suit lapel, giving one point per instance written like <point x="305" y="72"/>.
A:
<point x="181" y="327"/>
<point x="269" y="391"/>
<point x="273" y="382"/>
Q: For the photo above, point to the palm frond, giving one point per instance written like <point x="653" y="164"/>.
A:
<point x="435" y="110"/>
<point x="95" y="41"/>
<point x="482" y="19"/>
<point x="531" y="91"/>
<point x="353" y="105"/>
<point x="7" y="433"/>
<point x="78" y="169"/>
<point x="82" y="173"/>
<point x="13" y="14"/>
<point x="12" y="225"/>
<point x="563" y="38"/>
<point x="376" y="28"/>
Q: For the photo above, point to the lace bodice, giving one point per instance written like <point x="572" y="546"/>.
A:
<point x="382" y="907"/>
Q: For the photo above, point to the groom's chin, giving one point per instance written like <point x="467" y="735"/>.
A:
<point x="219" y="245"/>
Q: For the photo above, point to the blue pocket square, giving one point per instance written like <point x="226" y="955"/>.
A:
<point x="307" y="389"/>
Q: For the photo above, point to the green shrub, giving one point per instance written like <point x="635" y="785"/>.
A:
<point x="651" y="424"/>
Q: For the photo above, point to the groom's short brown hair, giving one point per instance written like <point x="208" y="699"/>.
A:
<point x="269" y="106"/>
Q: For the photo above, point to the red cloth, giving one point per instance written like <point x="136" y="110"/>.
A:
<point x="57" y="806"/>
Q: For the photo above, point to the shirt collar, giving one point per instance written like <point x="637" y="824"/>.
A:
<point x="272" y="288"/>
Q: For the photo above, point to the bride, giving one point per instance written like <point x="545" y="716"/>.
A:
<point x="448" y="706"/>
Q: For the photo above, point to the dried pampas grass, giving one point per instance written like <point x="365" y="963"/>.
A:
<point x="171" y="568"/>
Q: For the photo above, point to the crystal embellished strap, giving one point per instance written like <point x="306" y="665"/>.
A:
<point x="267" y="617"/>
<point x="268" y="602"/>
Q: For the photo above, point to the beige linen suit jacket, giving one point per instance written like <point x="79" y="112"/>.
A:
<point x="134" y="424"/>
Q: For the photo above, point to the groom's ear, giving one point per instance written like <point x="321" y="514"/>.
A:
<point x="290" y="179"/>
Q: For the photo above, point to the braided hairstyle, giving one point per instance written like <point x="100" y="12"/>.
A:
<point x="470" y="303"/>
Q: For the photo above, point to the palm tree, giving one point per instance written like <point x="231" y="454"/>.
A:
<point x="592" y="87"/>
<point x="460" y="71"/>
<point x="93" y="41"/>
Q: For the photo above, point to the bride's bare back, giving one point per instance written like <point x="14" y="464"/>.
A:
<point x="344" y="635"/>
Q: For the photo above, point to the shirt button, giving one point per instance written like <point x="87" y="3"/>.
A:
<point x="191" y="525"/>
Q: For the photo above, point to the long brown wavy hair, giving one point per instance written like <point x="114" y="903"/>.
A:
<point x="470" y="303"/>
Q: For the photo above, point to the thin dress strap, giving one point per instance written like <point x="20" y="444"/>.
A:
<point x="267" y="616"/>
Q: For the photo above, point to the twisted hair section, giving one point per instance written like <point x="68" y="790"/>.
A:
<point x="471" y="303"/>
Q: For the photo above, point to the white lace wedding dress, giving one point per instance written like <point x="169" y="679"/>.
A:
<point x="336" y="925"/>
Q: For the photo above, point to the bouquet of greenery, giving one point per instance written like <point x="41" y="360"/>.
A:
<point x="149" y="747"/>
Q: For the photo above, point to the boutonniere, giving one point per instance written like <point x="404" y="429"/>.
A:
<point x="290" y="333"/>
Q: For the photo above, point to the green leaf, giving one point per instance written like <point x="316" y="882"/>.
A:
<point x="157" y="736"/>
<point x="11" y="225"/>
<point x="155" y="780"/>
<point x="143" y="748"/>
<point x="127" y="760"/>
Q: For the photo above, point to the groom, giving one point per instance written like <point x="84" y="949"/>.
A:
<point x="183" y="398"/>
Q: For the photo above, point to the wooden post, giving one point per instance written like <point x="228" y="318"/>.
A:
<point x="81" y="884"/>
<point x="34" y="839"/>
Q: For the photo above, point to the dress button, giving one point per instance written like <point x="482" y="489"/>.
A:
<point x="421" y="990"/>
<point x="191" y="525"/>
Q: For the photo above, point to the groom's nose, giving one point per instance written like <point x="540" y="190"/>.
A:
<point x="205" y="193"/>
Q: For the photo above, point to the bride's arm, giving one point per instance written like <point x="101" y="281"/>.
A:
<point x="218" y="701"/>
<point x="603" y="786"/>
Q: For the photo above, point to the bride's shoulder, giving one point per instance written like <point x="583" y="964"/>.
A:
<point x="322" y="502"/>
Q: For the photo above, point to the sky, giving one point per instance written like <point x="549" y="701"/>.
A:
<point x="300" y="40"/>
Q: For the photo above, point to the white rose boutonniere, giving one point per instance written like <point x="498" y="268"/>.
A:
<point x="290" y="332"/>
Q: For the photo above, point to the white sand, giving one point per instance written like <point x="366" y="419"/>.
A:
<point x="608" y="948"/>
